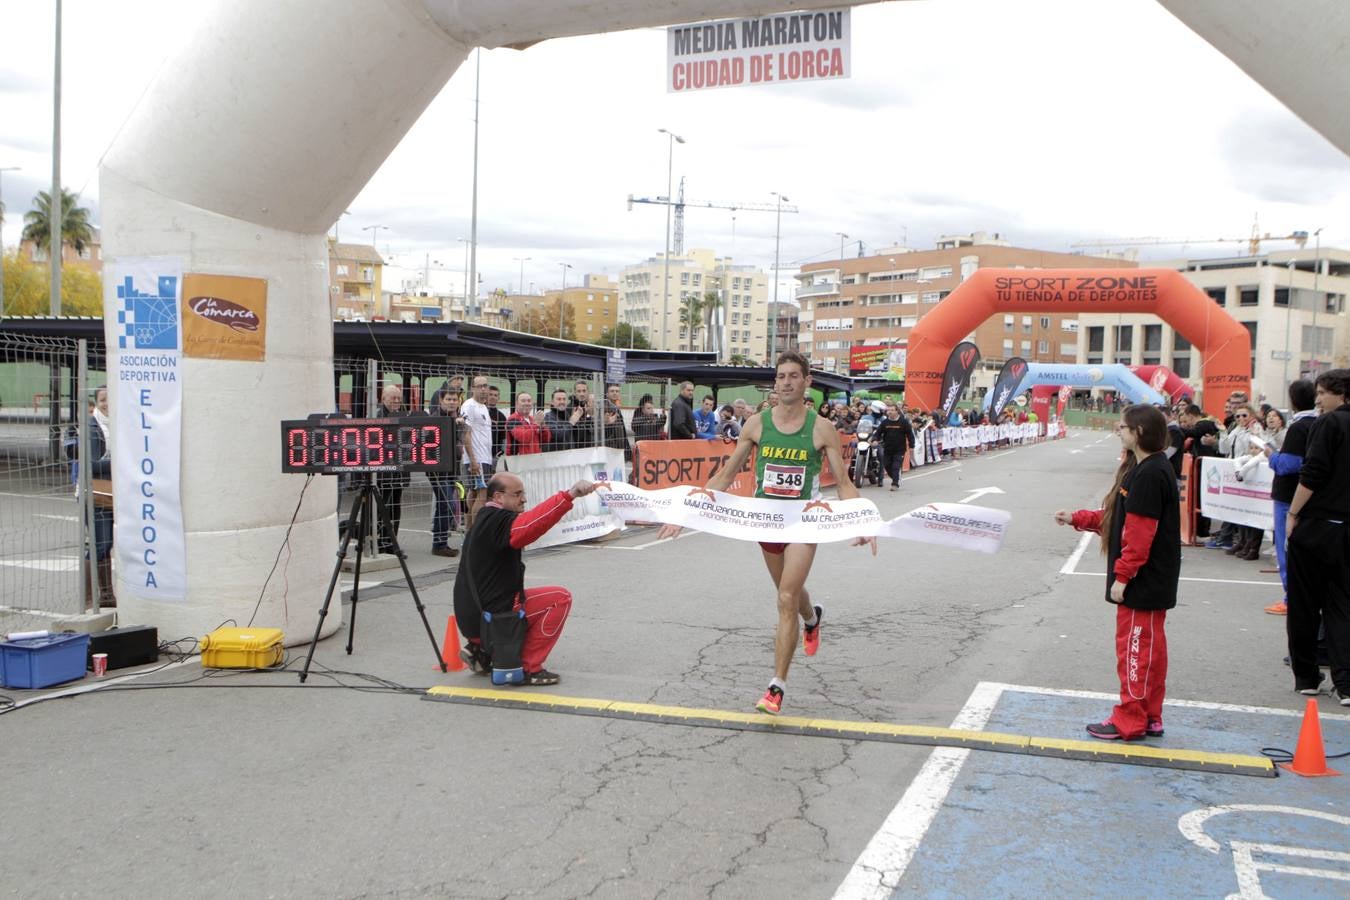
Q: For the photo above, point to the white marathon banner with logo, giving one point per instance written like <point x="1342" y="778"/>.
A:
<point x="806" y="522"/>
<point x="1224" y="497"/>
<point x="794" y="46"/>
<point x="142" y="297"/>
<point x="544" y="474"/>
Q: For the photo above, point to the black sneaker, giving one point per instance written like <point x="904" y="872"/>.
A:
<point x="1105" y="731"/>
<point x="1342" y="696"/>
<point x="1154" y="728"/>
<point x="1311" y="690"/>
<point x="542" y="677"/>
<point x="476" y="659"/>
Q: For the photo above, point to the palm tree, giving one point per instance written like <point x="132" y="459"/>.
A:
<point x="712" y="304"/>
<point x="75" y="228"/>
<point x="691" y="317"/>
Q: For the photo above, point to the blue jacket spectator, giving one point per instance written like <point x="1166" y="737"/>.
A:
<point x="705" y="418"/>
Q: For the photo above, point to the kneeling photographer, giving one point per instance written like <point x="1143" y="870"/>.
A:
<point x="522" y="625"/>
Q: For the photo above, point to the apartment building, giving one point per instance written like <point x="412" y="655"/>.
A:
<point x="735" y="326"/>
<point x="355" y="276"/>
<point x="1292" y="302"/>
<point x="91" y="257"/>
<point x="877" y="300"/>
<point x="595" y="306"/>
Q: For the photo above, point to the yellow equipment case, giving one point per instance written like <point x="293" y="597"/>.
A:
<point x="243" y="648"/>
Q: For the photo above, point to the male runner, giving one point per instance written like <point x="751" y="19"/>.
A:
<point x="791" y="440"/>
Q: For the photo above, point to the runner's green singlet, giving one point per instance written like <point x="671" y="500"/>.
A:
<point x="787" y="466"/>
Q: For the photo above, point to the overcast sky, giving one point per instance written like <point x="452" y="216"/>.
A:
<point x="1048" y="121"/>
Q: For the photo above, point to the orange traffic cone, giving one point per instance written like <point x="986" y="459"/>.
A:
<point x="1310" y="759"/>
<point x="450" y="647"/>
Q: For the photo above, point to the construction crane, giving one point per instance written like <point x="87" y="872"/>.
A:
<point x="680" y="203"/>
<point x="1253" y="243"/>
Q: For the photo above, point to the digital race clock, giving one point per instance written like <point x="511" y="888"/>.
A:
<point x="325" y="445"/>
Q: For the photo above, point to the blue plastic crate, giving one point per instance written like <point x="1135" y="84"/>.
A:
<point x="42" y="662"/>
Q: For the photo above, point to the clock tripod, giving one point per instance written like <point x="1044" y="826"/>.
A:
<point x="367" y="495"/>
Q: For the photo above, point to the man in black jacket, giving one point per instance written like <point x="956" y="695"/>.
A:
<point x="561" y="421"/>
<point x="897" y="436"/>
<point x="1319" y="544"/>
<point x="491" y="575"/>
<point x="1202" y="439"/>
<point x="682" y="425"/>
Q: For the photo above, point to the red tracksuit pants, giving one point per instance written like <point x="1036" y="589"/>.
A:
<point x="546" y="610"/>
<point x="1141" y="662"/>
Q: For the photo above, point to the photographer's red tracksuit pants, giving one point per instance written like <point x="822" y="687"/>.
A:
<point x="546" y="610"/>
<point x="1141" y="662"/>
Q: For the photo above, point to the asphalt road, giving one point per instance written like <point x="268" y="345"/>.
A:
<point x="252" y="786"/>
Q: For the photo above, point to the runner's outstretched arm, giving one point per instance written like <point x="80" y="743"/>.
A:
<point x="724" y="476"/>
<point x="827" y="441"/>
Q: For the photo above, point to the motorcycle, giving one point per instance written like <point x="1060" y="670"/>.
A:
<point x="866" y="455"/>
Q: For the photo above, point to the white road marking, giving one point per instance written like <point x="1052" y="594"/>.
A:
<point x="877" y="871"/>
<point x="103" y="682"/>
<point x="980" y="492"/>
<point x="1004" y="453"/>
<point x="946" y="468"/>
<point x="679" y="537"/>
<point x="1183" y="704"/>
<point x="43" y="565"/>
<point x="1076" y="555"/>
<point x="1204" y="580"/>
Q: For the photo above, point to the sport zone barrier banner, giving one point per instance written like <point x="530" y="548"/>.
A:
<point x="957" y="525"/>
<point x="661" y="464"/>
<point x="1245" y="502"/>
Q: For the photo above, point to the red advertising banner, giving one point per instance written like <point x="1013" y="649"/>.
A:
<point x="663" y="464"/>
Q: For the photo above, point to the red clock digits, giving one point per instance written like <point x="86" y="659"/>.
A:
<point x="407" y="446"/>
<point x="351" y="446"/>
<point x="323" y="454"/>
<point x="374" y="446"/>
<point x="297" y="447"/>
<point x="431" y="444"/>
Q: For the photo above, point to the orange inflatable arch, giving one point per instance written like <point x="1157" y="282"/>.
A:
<point x="1225" y="345"/>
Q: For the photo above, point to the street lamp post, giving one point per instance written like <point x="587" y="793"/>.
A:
<point x="773" y="314"/>
<point x="670" y="183"/>
<point x="1317" y="301"/>
<point x="56" y="243"/>
<point x="522" y="260"/>
<point x="374" y="234"/>
<point x="466" y="242"/>
<point x="3" y="170"/>
<point x="1288" y="313"/>
<point x="562" y="297"/>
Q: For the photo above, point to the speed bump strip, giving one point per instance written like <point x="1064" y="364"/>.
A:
<point x="1135" y="753"/>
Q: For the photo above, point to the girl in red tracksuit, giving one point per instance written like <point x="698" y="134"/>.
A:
<point x="1140" y="525"/>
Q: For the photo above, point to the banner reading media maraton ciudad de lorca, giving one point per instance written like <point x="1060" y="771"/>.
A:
<point x="796" y="46"/>
<point x="141" y="297"/>
<point x="807" y="521"/>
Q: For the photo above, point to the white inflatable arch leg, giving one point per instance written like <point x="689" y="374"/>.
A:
<point x="238" y="160"/>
